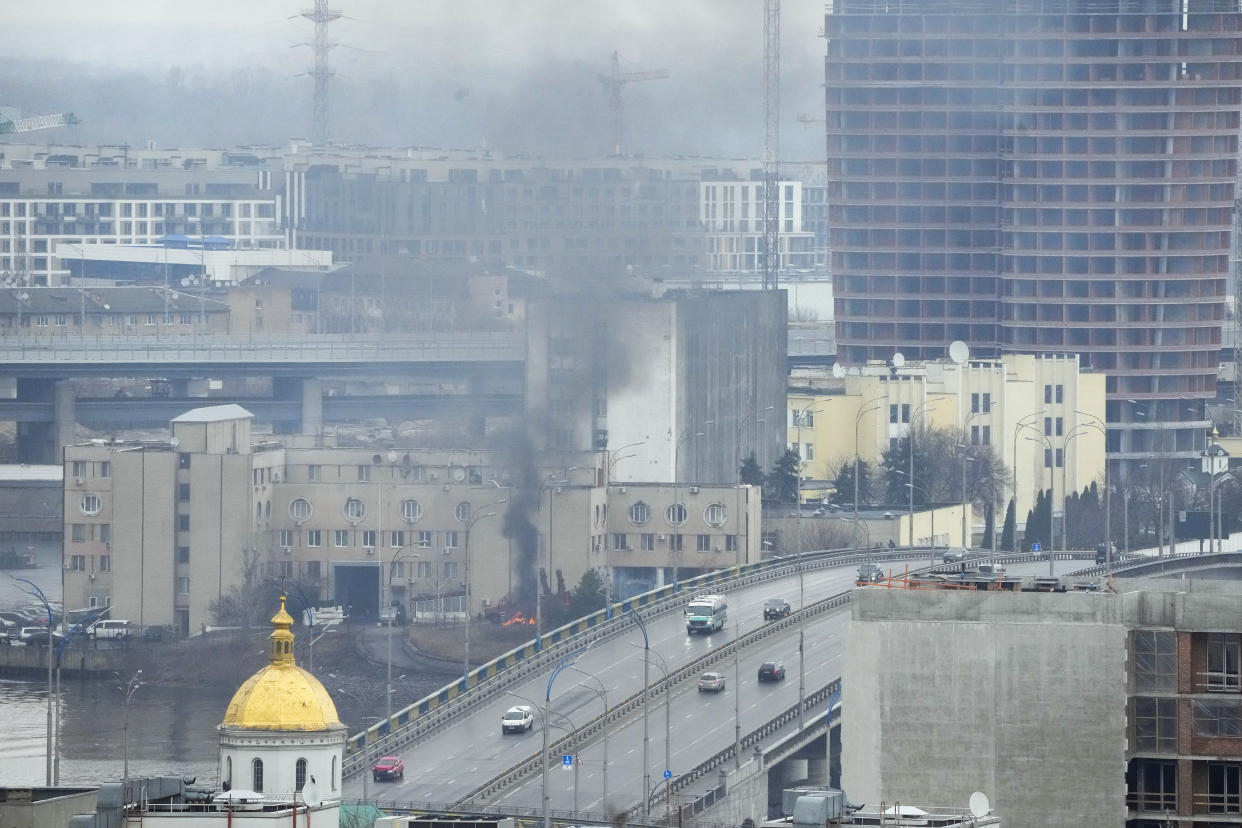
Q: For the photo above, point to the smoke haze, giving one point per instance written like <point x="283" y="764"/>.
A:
<point x="511" y="77"/>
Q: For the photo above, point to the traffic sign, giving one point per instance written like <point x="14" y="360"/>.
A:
<point x="567" y="761"/>
<point x="668" y="774"/>
<point x="1037" y="547"/>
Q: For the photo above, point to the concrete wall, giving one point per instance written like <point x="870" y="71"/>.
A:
<point x="43" y="807"/>
<point x="1021" y="696"/>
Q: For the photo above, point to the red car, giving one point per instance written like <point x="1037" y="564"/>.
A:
<point x="389" y="767"/>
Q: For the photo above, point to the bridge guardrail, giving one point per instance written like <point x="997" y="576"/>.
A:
<point x="567" y="743"/>
<point x="480" y="684"/>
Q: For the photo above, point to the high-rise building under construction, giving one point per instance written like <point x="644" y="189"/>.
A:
<point x="1040" y="176"/>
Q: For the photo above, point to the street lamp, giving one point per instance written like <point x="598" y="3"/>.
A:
<point x="130" y="688"/>
<point x="860" y="525"/>
<point x="31" y="589"/>
<point x="1021" y="424"/>
<point x="603" y="695"/>
<point x="646" y="714"/>
<point x="926" y="494"/>
<point x="474" y="518"/>
<point x="1073" y="434"/>
<point x="389" y="613"/>
<point x="364" y="704"/>
<point x="1050" y="462"/>
<point x="668" y="692"/>
<point x="560" y="667"/>
<point x="677" y="508"/>
<point x="866" y="409"/>
<point x="925" y="408"/>
<point x="615" y="456"/>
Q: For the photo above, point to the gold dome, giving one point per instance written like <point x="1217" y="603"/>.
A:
<point x="282" y="696"/>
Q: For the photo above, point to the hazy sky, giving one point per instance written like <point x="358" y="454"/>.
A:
<point x="467" y="72"/>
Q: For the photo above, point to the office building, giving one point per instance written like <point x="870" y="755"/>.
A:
<point x="1047" y="176"/>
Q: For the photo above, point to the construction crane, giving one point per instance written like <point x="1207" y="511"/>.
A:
<point x="771" y="143"/>
<point x="9" y="126"/>
<point x="613" y="84"/>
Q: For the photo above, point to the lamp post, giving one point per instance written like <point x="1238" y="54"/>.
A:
<point x="560" y="667"/>
<point x="646" y="712"/>
<point x="31" y="589"/>
<point x="914" y="419"/>
<point x="866" y="409"/>
<point x="752" y="420"/>
<point x="474" y="518"/>
<point x="130" y="688"/>
<point x="860" y="525"/>
<point x="677" y="508"/>
<point x="663" y="665"/>
<point x="603" y="695"/>
<point x="389" y="612"/>
<point x="1098" y="425"/>
<point x="926" y="494"/>
<point x="364" y="704"/>
<point x="1073" y="434"/>
<point x="1021" y="424"/>
<point x="1049" y="459"/>
<point x="22" y="297"/>
<point x="76" y="629"/>
<point x="965" y="447"/>
<point x="615" y="456"/>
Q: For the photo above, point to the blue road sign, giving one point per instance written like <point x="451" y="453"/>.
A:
<point x="1037" y="547"/>
<point x="668" y="774"/>
<point x="567" y="760"/>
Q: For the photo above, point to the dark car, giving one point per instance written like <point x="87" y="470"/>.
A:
<point x="771" y="671"/>
<point x="389" y="767"/>
<point x="775" y="608"/>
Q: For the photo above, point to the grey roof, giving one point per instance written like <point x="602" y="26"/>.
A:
<point x="213" y="414"/>
<point x="21" y="472"/>
<point x="136" y="299"/>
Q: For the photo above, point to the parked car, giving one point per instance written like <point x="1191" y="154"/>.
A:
<point x="711" y="683"/>
<point x="771" y="671"/>
<point x="775" y="608"/>
<point x="389" y="767"/>
<point x="37" y="636"/>
<point x="517" y="719"/>
<point x="111" y="628"/>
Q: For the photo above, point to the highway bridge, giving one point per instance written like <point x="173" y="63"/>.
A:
<point x="456" y="756"/>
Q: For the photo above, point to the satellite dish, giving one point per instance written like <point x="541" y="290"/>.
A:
<point x="959" y="352"/>
<point x="310" y="794"/>
<point x="855" y="372"/>
<point x="899" y="359"/>
<point x="838" y="370"/>
<point x="979" y="805"/>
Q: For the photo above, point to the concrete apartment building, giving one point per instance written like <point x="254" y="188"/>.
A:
<point x="158" y="530"/>
<point x="1051" y="399"/>
<point x="1123" y="706"/>
<point x="1048" y="176"/>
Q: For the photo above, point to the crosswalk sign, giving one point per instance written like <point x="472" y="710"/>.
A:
<point x="567" y="761"/>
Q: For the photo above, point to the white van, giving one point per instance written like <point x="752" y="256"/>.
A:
<point x="111" y="629"/>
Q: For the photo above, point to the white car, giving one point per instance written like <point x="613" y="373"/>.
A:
<point x="517" y="719"/>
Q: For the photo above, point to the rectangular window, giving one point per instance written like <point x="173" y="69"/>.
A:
<point x="1155" y="725"/>
<point x="1060" y="458"/>
<point x="183" y="554"/>
<point x="286" y="569"/>
<point x="396" y="539"/>
<point x="312" y="569"/>
<point x="675" y="542"/>
<point x="1060" y="393"/>
<point x="1224" y="788"/>
<point x="79" y="468"/>
<point x="398" y="569"/>
<point x="364" y="473"/>
<point x="286" y="538"/>
<point x="183" y="491"/>
<point x="368" y="538"/>
<point x="1047" y="393"/>
<point x="905" y="412"/>
<point x="1047" y="458"/>
<point x="183" y="460"/>
<point x="314" y="538"/>
<point x="1047" y="426"/>
<point x="1060" y="426"/>
<point x="450" y="540"/>
<point x="987" y="403"/>
<point x="892" y="413"/>
<point x="974" y="435"/>
<point x="105" y="563"/>
<point x="105" y="532"/>
<point x="78" y="563"/>
<point x="1152" y="785"/>
<point x="808" y="451"/>
<point x="1221" y="675"/>
<point x="424" y="569"/>
<point x="424" y="538"/>
<point x="619" y="541"/>
<point x="79" y="533"/>
<point x="314" y="473"/>
<point x="704" y="543"/>
<point x="1155" y="660"/>
<point x="731" y="543"/>
<point x="183" y="585"/>
<point x="974" y="403"/>
<point x="183" y="523"/>
<point x="105" y="469"/>
<point x="340" y="538"/>
<point x="987" y="435"/>
<point x="450" y="569"/>
<point x="1217" y="718"/>
<point x="648" y="541"/>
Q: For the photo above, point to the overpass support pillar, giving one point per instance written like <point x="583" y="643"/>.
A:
<point x="312" y="406"/>
<point x="307" y="392"/>
<point x="42" y="442"/>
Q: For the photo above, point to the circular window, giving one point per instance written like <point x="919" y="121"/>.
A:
<point x="640" y="513"/>
<point x="411" y="511"/>
<point x="355" y="509"/>
<point x="715" y="514"/>
<point x="300" y="509"/>
<point x="676" y="514"/>
<point x="90" y="504"/>
<point x="463" y="511"/>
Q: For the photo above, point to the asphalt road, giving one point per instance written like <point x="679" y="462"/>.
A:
<point x="471" y="751"/>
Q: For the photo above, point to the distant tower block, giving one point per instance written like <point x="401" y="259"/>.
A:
<point x="321" y="72"/>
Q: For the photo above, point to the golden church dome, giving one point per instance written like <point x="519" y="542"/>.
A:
<point x="282" y="696"/>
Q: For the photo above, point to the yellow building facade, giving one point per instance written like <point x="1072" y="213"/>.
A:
<point x="1042" y="415"/>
